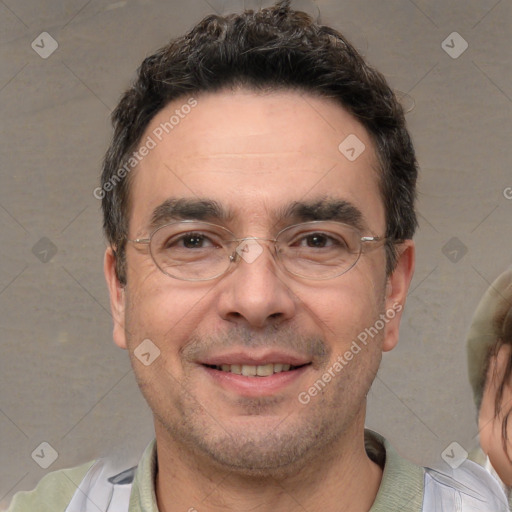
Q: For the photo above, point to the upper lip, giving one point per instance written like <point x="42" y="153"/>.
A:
<point x="254" y="359"/>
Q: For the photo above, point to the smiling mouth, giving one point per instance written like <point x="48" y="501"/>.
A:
<point x="262" y="370"/>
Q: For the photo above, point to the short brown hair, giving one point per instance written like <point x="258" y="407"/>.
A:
<point x="273" y="48"/>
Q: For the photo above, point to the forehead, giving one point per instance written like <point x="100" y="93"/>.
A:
<point x="255" y="154"/>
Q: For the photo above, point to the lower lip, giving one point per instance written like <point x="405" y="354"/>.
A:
<point x="255" y="386"/>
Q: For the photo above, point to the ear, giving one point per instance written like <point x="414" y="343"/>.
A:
<point x="117" y="297"/>
<point x="489" y="423"/>
<point x="397" y="287"/>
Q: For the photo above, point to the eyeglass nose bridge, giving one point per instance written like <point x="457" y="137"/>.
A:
<point x="250" y="250"/>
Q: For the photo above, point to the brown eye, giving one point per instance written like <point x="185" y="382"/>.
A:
<point x="193" y="241"/>
<point x="188" y="241"/>
<point x="318" y="240"/>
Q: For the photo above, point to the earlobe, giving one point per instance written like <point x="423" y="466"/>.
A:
<point x="117" y="297"/>
<point x="397" y="286"/>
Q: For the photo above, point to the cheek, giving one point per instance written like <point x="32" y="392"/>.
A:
<point x="356" y="295"/>
<point x="162" y="309"/>
<point x="491" y="425"/>
<point x="492" y="444"/>
<point x="160" y="319"/>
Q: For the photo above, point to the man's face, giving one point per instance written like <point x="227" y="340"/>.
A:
<point x="256" y="156"/>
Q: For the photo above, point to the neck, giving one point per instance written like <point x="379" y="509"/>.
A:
<point x="341" y="478"/>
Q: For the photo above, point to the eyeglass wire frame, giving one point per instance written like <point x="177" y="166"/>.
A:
<point x="234" y="256"/>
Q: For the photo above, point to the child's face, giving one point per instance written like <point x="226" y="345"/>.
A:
<point x="490" y="423"/>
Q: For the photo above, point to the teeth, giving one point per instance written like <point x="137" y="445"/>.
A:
<point x="265" y="370"/>
<point x="235" y="368"/>
<point x="249" y="370"/>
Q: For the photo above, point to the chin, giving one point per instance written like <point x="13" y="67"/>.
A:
<point x="260" y="464"/>
<point x="261" y="453"/>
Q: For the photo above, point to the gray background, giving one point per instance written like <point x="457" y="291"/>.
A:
<point x="64" y="382"/>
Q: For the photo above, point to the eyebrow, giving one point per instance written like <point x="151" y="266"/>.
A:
<point x="184" y="209"/>
<point x="299" y="211"/>
<point x="325" y="209"/>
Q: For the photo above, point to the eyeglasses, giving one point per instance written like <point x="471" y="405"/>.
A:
<point x="199" y="251"/>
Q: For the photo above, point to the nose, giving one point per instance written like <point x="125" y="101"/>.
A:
<point x="256" y="292"/>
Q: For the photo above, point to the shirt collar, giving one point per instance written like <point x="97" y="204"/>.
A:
<point x="143" y="496"/>
<point x="402" y="484"/>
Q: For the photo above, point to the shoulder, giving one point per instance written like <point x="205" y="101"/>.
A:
<point x="412" y="488"/>
<point x="53" y="492"/>
<point x="468" y="487"/>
